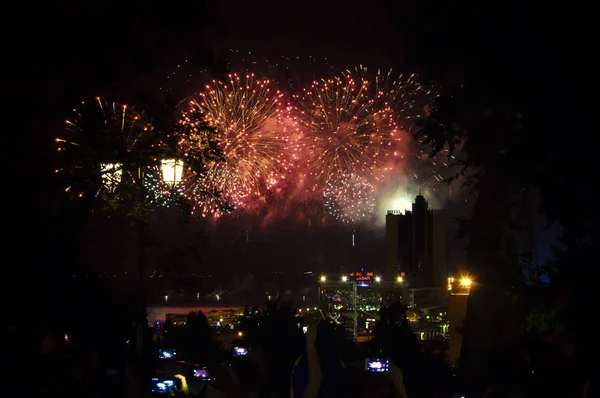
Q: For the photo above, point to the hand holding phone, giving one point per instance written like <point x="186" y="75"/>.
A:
<point x="181" y="384"/>
<point x="162" y="386"/>
<point x="377" y="365"/>
<point x="202" y="374"/>
<point x="240" y="351"/>
<point x="167" y="353"/>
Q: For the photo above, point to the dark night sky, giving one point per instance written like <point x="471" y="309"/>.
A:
<point x="349" y="32"/>
<point x="112" y="51"/>
<point x="69" y="50"/>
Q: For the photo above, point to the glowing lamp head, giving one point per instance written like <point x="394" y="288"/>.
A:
<point x="377" y="279"/>
<point x="323" y="278"/>
<point x="344" y="278"/>
<point x="399" y="279"/>
<point x="466" y="282"/>
<point x="172" y="170"/>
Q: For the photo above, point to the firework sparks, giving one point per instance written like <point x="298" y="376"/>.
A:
<point x="403" y="93"/>
<point x="335" y="145"/>
<point x="349" y="199"/>
<point x="245" y="112"/>
<point x="346" y="129"/>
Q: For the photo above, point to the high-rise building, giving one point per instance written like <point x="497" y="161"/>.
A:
<point x="416" y="244"/>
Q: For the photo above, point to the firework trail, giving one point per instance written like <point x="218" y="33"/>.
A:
<point x="245" y="112"/>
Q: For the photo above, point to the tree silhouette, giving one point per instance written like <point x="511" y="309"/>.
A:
<point x="500" y="125"/>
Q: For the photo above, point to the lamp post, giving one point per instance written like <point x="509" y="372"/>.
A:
<point x="172" y="171"/>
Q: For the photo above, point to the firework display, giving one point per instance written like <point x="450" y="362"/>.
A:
<point x="245" y="145"/>
<point x="244" y="111"/>
<point x="345" y="128"/>
<point x="355" y="132"/>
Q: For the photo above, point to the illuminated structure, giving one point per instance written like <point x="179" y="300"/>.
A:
<point x="356" y="296"/>
<point x="172" y="170"/>
<point x="458" y="297"/>
<point x="416" y="244"/>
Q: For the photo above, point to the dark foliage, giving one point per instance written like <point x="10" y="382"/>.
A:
<point x="518" y="122"/>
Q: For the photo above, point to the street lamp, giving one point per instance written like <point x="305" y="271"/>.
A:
<point x="466" y="282"/>
<point x="172" y="170"/>
<point x="399" y="279"/>
<point x="323" y="278"/>
<point x="344" y="278"/>
<point x="377" y="279"/>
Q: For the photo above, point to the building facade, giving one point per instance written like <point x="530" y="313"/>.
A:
<point x="416" y="244"/>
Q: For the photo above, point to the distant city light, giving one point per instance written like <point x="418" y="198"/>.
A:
<point x="400" y="279"/>
<point x="344" y="278"/>
<point x="466" y="282"/>
<point x="377" y="279"/>
<point x="323" y="278"/>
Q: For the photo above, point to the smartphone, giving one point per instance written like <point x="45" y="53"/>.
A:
<point x="202" y="374"/>
<point x="377" y="365"/>
<point x="240" y="351"/>
<point x="162" y="386"/>
<point x="167" y="353"/>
